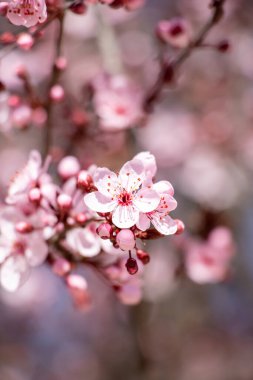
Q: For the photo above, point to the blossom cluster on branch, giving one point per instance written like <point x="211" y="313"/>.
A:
<point x="94" y="216"/>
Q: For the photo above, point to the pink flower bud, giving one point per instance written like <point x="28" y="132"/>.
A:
<point x="61" y="267"/>
<point x="81" y="218"/>
<point x="64" y="202"/>
<point x="35" y="195"/>
<point x="21" y="72"/>
<point x="57" y="93"/>
<point x="180" y="226"/>
<point x="7" y="37"/>
<point x="175" y="32"/>
<point x="24" y="227"/>
<point x="14" y="100"/>
<point x="25" y="41"/>
<point x="126" y="240"/>
<point x="132" y="266"/>
<point x="104" y="231"/>
<point x="39" y="116"/>
<point x="77" y="286"/>
<point x="21" y="116"/>
<point x="143" y="256"/>
<point x="223" y="46"/>
<point x="68" y="167"/>
<point x="78" y="8"/>
<point x="84" y="180"/>
<point x="3" y="8"/>
<point x="61" y="63"/>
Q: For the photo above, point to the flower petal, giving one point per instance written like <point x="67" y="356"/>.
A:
<point x="106" y="181"/>
<point x="125" y="216"/>
<point x="149" y="163"/>
<point x="167" y="204"/>
<point x="164" y="224"/>
<point x="83" y="242"/>
<point x="37" y="249"/>
<point x="14" y="272"/>
<point x="132" y="175"/>
<point x="143" y="223"/>
<point x="99" y="203"/>
<point x="164" y="187"/>
<point x="146" y="200"/>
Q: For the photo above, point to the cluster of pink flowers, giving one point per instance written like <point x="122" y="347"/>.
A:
<point x="31" y="12"/>
<point x="96" y="217"/>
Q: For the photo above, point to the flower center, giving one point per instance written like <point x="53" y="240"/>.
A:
<point x="121" y="110"/>
<point x="125" y="199"/>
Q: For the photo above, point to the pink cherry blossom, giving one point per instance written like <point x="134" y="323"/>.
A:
<point x="25" y="179"/>
<point x="27" y="12"/>
<point x="160" y="217"/>
<point x="208" y="261"/>
<point x="18" y="251"/>
<point x="83" y="241"/>
<point x="122" y="194"/>
<point x="117" y="102"/>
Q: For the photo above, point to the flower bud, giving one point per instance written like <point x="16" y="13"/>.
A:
<point x="104" y="231"/>
<point x="64" y="202"/>
<point x="223" y="46"/>
<point x="77" y="286"/>
<point x="68" y="167"/>
<point x="25" y="41"/>
<point x="175" y="32"/>
<point x="126" y="240"/>
<point x="57" y="93"/>
<point x="35" y="195"/>
<point x="180" y="226"/>
<point x="84" y="180"/>
<point x="132" y="266"/>
<point x="143" y="256"/>
<point x="24" y="227"/>
<point x="61" y="267"/>
<point x="61" y="63"/>
<point x="78" y="8"/>
<point x="81" y="218"/>
<point x="3" y="8"/>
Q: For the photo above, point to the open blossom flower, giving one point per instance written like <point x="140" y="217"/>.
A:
<point x="27" y="12"/>
<point x="26" y="179"/>
<point x="160" y="217"/>
<point x="208" y="261"/>
<point x="117" y="102"/>
<point x="18" y="251"/>
<point x="124" y="194"/>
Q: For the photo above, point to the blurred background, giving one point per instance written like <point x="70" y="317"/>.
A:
<point x="201" y="134"/>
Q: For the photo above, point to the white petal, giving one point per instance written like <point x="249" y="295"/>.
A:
<point x="164" y="187"/>
<point x="164" y="224"/>
<point x="149" y="163"/>
<point x="143" y="223"/>
<point x="37" y="249"/>
<point x="99" y="203"/>
<point x="14" y="272"/>
<point x="83" y="242"/>
<point x="125" y="216"/>
<point x="146" y="200"/>
<point x="132" y="175"/>
<point x="106" y="181"/>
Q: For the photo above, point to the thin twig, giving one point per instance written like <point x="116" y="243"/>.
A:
<point x="168" y="69"/>
<point x="48" y="129"/>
